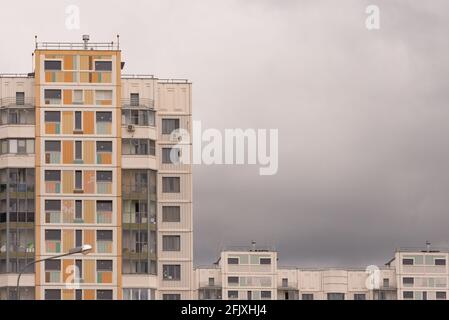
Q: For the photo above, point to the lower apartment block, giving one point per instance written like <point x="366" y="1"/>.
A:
<point x="254" y="274"/>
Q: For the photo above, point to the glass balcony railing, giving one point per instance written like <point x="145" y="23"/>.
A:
<point x="104" y="187"/>
<point x="104" y="246"/>
<point x="53" y="246"/>
<point x="53" y="276"/>
<point x="52" y="217"/>
<point x="104" y="217"/>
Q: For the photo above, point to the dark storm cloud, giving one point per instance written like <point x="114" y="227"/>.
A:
<point x="362" y="115"/>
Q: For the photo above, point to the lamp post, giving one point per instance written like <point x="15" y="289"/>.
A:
<point x="84" y="249"/>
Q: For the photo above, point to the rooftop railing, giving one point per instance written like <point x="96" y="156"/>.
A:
<point x="17" y="75"/>
<point x="77" y="46"/>
<point x="137" y="76"/>
<point x="141" y="103"/>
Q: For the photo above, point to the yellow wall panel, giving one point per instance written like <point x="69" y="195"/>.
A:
<point x="68" y="211"/>
<point x="67" y="152"/>
<point x="89" y="272"/>
<point x="68" y="62"/>
<point x="89" y="122"/>
<point x="89" y="97"/>
<point x="67" y="269"/>
<point x="50" y="128"/>
<point x="59" y="76"/>
<point x="89" y="181"/>
<point x="68" y="294"/>
<point x="67" y="96"/>
<point x="68" y="240"/>
<point x="68" y="76"/>
<point x="89" y="211"/>
<point x="89" y="238"/>
<point x="67" y="181"/>
<point x="89" y="294"/>
<point x="84" y="77"/>
<point x="89" y="152"/>
<point x="84" y="62"/>
<point x="67" y="122"/>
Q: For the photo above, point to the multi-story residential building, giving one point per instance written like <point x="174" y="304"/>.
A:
<point x="88" y="157"/>
<point x="251" y="273"/>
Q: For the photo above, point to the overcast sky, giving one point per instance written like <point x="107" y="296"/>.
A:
<point x="362" y="115"/>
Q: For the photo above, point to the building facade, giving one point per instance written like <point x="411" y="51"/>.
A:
<point x="245" y="274"/>
<point x="89" y="156"/>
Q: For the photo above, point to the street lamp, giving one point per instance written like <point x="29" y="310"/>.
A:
<point x="84" y="249"/>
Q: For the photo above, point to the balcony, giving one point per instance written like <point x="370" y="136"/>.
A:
<point x="53" y="246"/>
<point x="104" y="158"/>
<point x="53" y="187"/>
<point x="17" y="102"/>
<point x="104" y="187"/>
<point x="53" y="276"/>
<point x="104" y="217"/>
<point x="141" y="103"/>
<point x="52" y="217"/>
<point x="52" y="157"/>
<point x="104" y="246"/>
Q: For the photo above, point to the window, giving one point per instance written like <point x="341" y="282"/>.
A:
<point x="78" y="294"/>
<point x="53" y="235"/>
<point x="171" y="214"/>
<point x="52" y="175"/>
<point x="53" y="205"/>
<point x="77" y="96"/>
<point x="441" y="295"/>
<point x="52" y="116"/>
<point x="104" y="265"/>
<point x="171" y="296"/>
<point x="103" y="65"/>
<point x="104" y="294"/>
<point x="138" y="117"/>
<point x="233" y="294"/>
<point x="78" y="150"/>
<point x="265" y="294"/>
<point x="103" y="96"/>
<point x="53" y="265"/>
<point x="171" y="243"/>
<point x="171" y="155"/>
<point x="233" y="280"/>
<point x="440" y="262"/>
<point x="104" y="206"/>
<point x="386" y="283"/>
<point x="211" y="282"/>
<point x="134" y="99"/>
<point x="233" y="260"/>
<point x="104" y="116"/>
<point x="53" y="146"/>
<point x="78" y="238"/>
<point x="335" y="296"/>
<point x="78" y="180"/>
<point x="52" y="96"/>
<point x="138" y="294"/>
<point x="408" y="281"/>
<point x="359" y="296"/>
<point x="20" y="98"/>
<point x="407" y="262"/>
<point x="171" y="184"/>
<point x="52" y="65"/>
<point x="104" y="176"/>
<point x="307" y="296"/>
<point x="78" y="210"/>
<point x="17" y="146"/>
<point x="138" y="147"/>
<point x="407" y="294"/>
<point x="104" y="146"/>
<point x="169" y="125"/>
<point x="285" y="282"/>
<point x="78" y="121"/>
<point x="52" y="294"/>
<point x="104" y="235"/>
<point x="265" y="260"/>
<point x="171" y="272"/>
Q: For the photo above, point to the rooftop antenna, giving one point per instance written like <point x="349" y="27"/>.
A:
<point x="35" y="41"/>
<point x="428" y="246"/>
<point x="253" y="245"/>
<point x="118" y="42"/>
<point x="86" y="39"/>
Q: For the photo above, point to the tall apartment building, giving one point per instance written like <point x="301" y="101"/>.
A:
<point x="249" y="273"/>
<point x="88" y="156"/>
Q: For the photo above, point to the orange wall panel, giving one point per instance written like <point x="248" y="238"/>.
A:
<point x="89" y="238"/>
<point x="67" y="181"/>
<point x="89" y="122"/>
<point x="89" y="181"/>
<point x="67" y="152"/>
<point x="89" y="211"/>
<point x="67" y="269"/>
<point x="89" y="152"/>
<point x="67" y="122"/>
<point x="89" y="271"/>
<point x="89" y="294"/>
<point x="68" y="240"/>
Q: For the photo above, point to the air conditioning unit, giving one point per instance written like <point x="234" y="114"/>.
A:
<point x="131" y="128"/>
<point x="176" y="136"/>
